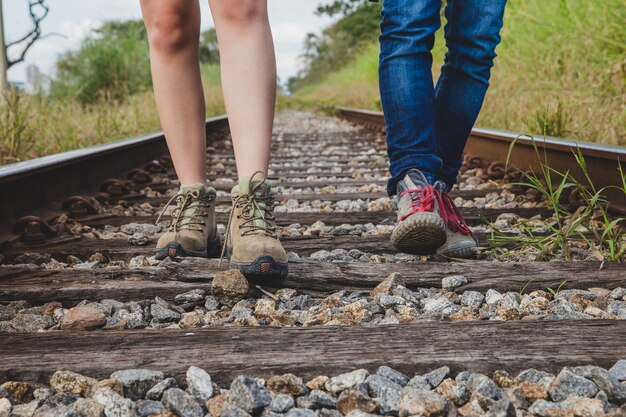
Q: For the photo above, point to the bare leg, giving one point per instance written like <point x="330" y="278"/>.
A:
<point x="248" y="73"/>
<point x="173" y="31"/>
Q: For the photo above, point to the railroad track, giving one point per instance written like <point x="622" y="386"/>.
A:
<point x="80" y="291"/>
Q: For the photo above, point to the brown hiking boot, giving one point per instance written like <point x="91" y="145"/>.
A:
<point x="460" y="241"/>
<point x="420" y="229"/>
<point x="251" y="240"/>
<point x="193" y="231"/>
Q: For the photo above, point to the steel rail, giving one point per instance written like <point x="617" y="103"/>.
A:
<point x="602" y="161"/>
<point x="38" y="185"/>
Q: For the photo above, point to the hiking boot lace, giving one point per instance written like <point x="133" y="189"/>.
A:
<point x="184" y="221"/>
<point x="252" y="212"/>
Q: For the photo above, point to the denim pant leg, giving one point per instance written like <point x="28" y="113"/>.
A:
<point x="472" y="33"/>
<point x="406" y="85"/>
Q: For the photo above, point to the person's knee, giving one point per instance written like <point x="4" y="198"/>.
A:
<point x="473" y="56"/>
<point x="241" y="13"/>
<point x="171" y="33"/>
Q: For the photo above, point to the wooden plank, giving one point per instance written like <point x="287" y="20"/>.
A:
<point x="473" y="217"/>
<point x="315" y="278"/>
<point x="120" y="249"/>
<point x="225" y="199"/>
<point x="307" y="352"/>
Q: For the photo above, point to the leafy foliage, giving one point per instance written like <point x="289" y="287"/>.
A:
<point x="112" y="63"/>
<point x="339" y="43"/>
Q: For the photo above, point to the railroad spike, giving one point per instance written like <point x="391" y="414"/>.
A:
<point x="33" y="230"/>
<point x="79" y="206"/>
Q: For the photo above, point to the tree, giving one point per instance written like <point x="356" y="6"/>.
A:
<point x="38" y="11"/>
<point x="112" y="63"/>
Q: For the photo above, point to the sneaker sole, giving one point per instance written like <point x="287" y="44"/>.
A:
<point x="462" y="252"/>
<point x="175" y="250"/>
<point x="420" y="234"/>
<point x="263" y="267"/>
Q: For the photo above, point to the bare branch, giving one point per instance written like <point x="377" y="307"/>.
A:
<point x="38" y="11"/>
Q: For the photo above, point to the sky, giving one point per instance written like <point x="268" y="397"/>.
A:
<point x="73" y="19"/>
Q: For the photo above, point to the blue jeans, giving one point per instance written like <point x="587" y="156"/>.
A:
<point x="427" y="125"/>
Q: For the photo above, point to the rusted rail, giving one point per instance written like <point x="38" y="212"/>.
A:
<point x="492" y="145"/>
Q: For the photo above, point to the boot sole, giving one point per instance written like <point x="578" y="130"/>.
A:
<point x="263" y="267"/>
<point x="420" y="234"/>
<point x="174" y="250"/>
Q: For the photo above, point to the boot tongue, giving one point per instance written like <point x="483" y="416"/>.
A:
<point x="414" y="179"/>
<point x="188" y="188"/>
<point x="246" y="185"/>
<point x="190" y="211"/>
<point x="261" y="189"/>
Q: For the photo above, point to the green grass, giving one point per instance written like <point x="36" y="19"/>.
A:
<point x="560" y="70"/>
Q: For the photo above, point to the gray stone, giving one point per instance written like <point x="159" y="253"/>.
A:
<point x="359" y="413"/>
<point x="389" y="301"/>
<point x="147" y="408"/>
<point x="568" y="384"/>
<point x="435" y="377"/>
<point x="56" y="411"/>
<point x="133" y="320"/>
<point x="181" y="403"/>
<point x="24" y="323"/>
<point x="345" y="381"/>
<point x="114" y="404"/>
<point x="320" y="399"/>
<point x="389" y="399"/>
<point x="460" y="394"/>
<point x="418" y="402"/>
<point x="321" y="255"/>
<point x="483" y="385"/>
<point x="299" y="302"/>
<point x="300" y="412"/>
<point x="6" y="313"/>
<point x="492" y="296"/>
<point x="453" y="282"/>
<point x="249" y="394"/>
<point x="282" y="403"/>
<point x="440" y="305"/>
<point x="502" y="408"/>
<point x="543" y="408"/>
<point x="65" y="398"/>
<point x="327" y="412"/>
<point x="231" y="410"/>
<point x="137" y="382"/>
<point x="618" y="370"/>
<point x="604" y="381"/>
<point x="42" y="394"/>
<point x="472" y="299"/>
<point x="390" y="373"/>
<point x="377" y="382"/>
<point x="199" y="383"/>
<point x="156" y="392"/>
<point x="211" y="303"/>
<point x="193" y="296"/>
<point x="510" y="300"/>
<point x="25" y="410"/>
<point x="537" y="377"/>
<point x="568" y="294"/>
<point x="163" y="314"/>
<point x="618" y="293"/>
<point x="5" y="407"/>
<point x="88" y="407"/>
<point x="418" y="381"/>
